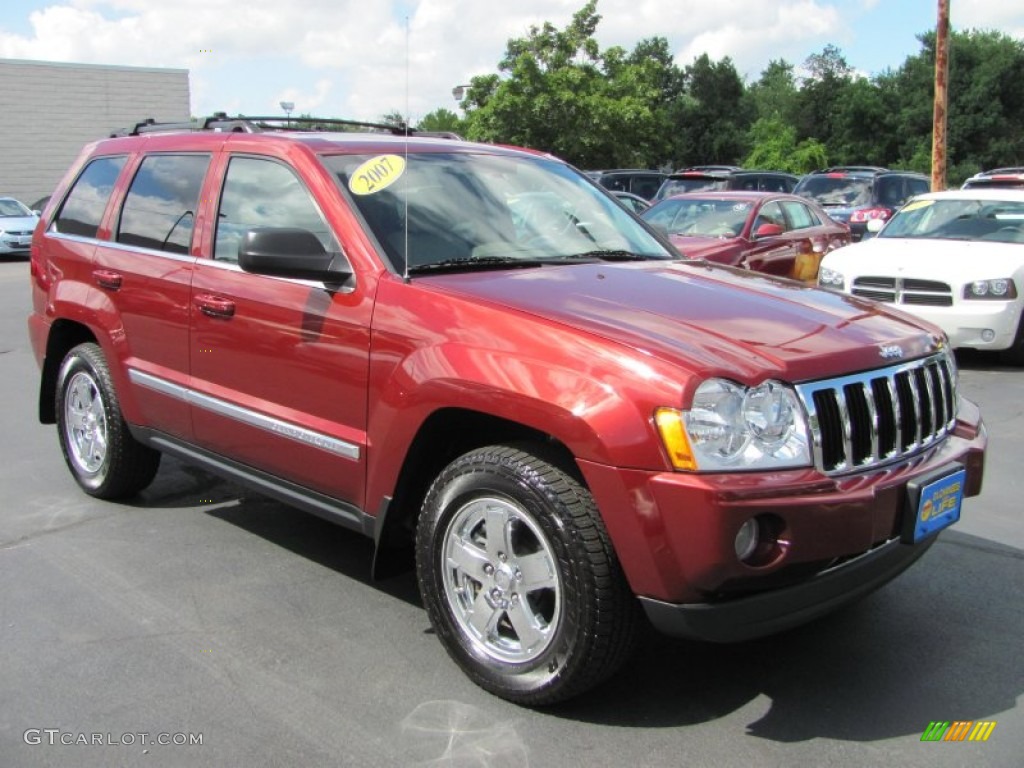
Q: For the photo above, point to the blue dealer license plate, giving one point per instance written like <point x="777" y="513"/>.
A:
<point x="937" y="503"/>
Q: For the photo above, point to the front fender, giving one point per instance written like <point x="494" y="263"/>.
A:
<point x="594" y="396"/>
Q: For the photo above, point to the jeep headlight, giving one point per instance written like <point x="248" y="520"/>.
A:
<point x="732" y="427"/>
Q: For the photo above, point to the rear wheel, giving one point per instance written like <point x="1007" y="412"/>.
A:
<point x="106" y="461"/>
<point x="519" y="577"/>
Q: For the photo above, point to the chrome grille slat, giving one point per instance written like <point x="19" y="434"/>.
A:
<point x="869" y="397"/>
<point x="880" y="416"/>
<point x="915" y="403"/>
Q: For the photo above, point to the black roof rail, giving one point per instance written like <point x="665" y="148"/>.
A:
<point x="220" y="121"/>
<point x="853" y="169"/>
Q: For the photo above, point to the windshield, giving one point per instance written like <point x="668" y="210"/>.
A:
<point x="699" y="217"/>
<point x="991" y="220"/>
<point x="462" y="210"/>
<point x="13" y="208"/>
<point x="836" y="190"/>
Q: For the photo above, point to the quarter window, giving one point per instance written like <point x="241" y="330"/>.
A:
<point x="83" y="210"/>
<point x="159" y="209"/>
<point x="264" y="193"/>
<point x="799" y="215"/>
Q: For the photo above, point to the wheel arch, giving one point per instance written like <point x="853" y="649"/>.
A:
<point x="64" y="335"/>
<point x="446" y="434"/>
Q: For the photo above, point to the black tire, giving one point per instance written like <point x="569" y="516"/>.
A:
<point x="104" y="458"/>
<point x="519" y="577"/>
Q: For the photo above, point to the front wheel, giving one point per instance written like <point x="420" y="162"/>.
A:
<point x="106" y="461"/>
<point x="519" y="578"/>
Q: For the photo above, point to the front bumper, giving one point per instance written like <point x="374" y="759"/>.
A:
<point x="769" y="612"/>
<point x="837" y="536"/>
<point x="965" y="321"/>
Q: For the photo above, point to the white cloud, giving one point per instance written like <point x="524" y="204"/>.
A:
<point x="357" y="58"/>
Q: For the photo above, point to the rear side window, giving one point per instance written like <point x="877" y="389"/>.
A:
<point x="159" y="209"/>
<point x="645" y="186"/>
<point x="917" y="187"/>
<point x="799" y="215"/>
<point x="83" y="210"/>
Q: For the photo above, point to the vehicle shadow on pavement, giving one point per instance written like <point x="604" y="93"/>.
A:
<point x="941" y="642"/>
<point x="346" y="552"/>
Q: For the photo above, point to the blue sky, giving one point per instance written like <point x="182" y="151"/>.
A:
<point x="363" y="58"/>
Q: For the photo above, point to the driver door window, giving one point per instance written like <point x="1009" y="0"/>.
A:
<point x="264" y="193"/>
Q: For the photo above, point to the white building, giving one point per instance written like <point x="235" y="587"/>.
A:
<point x="51" y="110"/>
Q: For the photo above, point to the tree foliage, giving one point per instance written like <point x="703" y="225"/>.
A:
<point x="558" y="91"/>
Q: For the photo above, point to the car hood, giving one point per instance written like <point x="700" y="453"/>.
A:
<point x="18" y="223"/>
<point x="708" y="319"/>
<point x="951" y="261"/>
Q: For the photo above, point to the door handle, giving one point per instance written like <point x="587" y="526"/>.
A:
<point x="214" y="306"/>
<point x="106" y="278"/>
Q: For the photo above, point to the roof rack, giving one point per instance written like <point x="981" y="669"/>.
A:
<point x="221" y="122"/>
<point x="853" y="169"/>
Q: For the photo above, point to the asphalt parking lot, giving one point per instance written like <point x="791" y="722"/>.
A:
<point x="202" y="625"/>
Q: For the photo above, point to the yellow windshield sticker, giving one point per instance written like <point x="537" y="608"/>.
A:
<point x="376" y="174"/>
<point x="917" y="204"/>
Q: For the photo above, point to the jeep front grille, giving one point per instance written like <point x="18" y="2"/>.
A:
<point x="880" y="416"/>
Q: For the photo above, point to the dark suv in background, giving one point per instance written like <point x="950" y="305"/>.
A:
<point x="856" y="194"/>
<point x="720" y="178"/>
<point x="636" y="181"/>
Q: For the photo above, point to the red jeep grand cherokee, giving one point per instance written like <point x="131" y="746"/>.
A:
<point x="473" y="353"/>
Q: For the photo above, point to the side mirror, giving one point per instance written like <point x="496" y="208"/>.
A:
<point x="768" y="230"/>
<point x="874" y="226"/>
<point x="290" y="252"/>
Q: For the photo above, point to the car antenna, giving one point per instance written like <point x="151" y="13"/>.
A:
<point x="405" y="195"/>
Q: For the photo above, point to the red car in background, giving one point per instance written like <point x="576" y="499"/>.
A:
<point x="780" y="234"/>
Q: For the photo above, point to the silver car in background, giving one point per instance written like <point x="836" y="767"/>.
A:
<point x="16" y="225"/>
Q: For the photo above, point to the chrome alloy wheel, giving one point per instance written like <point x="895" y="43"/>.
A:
<point x="85" y="423"/>
<point x="501" y="580"/>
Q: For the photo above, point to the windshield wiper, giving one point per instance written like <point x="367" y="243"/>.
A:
<point x="468" y="262"/>
<point x="610" y="255"/>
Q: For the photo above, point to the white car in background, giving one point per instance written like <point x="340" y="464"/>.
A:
<point x="16" y="225"/>
<point x="953" y="258"/>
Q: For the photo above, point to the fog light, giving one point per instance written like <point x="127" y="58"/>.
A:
<point x="988" y="335"/>
<point x="746" y="539"/>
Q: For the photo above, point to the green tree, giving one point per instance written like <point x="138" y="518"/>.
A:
<point x="441" y="119"/>
<point x="775" y="146"/>
<point x="986" y="103"/>
<point x="712" y="117"/>
<point x="775" y="93"/>
<point x="821" y="92"/>
<point x="556" y="90"/>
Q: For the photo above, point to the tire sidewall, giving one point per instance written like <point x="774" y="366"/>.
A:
<point x="456" y="487"/>
<point x="79" y="361"/>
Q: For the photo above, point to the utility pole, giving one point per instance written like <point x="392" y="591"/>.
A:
<point x="941" y="98"/>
